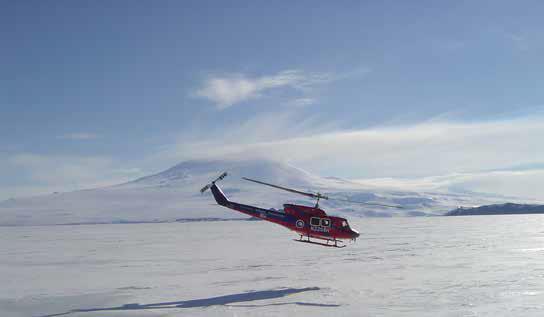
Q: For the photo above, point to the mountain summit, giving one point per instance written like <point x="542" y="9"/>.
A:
<point x="174" y="194"/>
<point x="202" y="171"/>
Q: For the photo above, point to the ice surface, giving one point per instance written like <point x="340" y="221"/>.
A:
<point x="427" y="266"/>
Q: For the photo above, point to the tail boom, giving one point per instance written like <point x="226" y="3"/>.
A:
<point x="269" y="215"/>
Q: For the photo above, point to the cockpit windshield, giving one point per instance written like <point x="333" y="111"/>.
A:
<point x="345" y="224"/>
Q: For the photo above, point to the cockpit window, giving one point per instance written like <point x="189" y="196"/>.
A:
<point x="344" y="224"/>
<point x="325" y="222"/>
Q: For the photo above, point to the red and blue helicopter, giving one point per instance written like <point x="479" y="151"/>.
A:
<point x="308" y="222"/>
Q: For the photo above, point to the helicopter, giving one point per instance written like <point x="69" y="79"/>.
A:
<point x="309" y="222"/>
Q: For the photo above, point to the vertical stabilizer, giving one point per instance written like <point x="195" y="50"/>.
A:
<point x="219" y="196"/>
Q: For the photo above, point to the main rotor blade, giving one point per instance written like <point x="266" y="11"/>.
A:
<point x="318" y="195"/>
<point x="365" y="203"/>
<point x="288" y="189"/>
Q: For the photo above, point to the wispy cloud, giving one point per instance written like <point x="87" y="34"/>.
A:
<point x="428" y="148"/>
<point x="301" y="102"/>
<point x="520" y="184"/>
<point x="47" y="173"/>
<point x="230" y="89"/>
<point x="236" y="138"/>
<point x="471" y="155"/>
<point x="518" y="40"/>
<point x="502" y="156"/>
<point x="78" y="136"/>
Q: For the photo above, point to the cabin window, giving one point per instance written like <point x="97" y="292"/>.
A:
<point x="314" y="221"/>
<point x="325" y="222"/>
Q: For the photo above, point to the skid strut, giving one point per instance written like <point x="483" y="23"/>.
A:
<point x="335" y="245"/>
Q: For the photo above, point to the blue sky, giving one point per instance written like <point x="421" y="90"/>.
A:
<point x="95" y="92"/>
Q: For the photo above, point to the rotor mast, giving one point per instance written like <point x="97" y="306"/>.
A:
<point x="317" y="197"/>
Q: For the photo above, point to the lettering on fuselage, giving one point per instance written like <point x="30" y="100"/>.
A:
<point x="319" y="229"/>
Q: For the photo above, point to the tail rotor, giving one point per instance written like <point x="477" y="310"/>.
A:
<point x="205" y="188"/>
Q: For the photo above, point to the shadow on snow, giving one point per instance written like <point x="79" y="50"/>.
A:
<point x="205" y="302"/>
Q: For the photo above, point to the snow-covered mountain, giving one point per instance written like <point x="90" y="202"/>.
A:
<point x="199" y="171"/>
<point x="174" y="194"/>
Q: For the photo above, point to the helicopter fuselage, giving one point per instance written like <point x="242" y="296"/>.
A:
<point x="305" y="220"/>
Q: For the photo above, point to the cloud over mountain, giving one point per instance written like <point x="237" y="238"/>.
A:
<point x="229" y="89"/>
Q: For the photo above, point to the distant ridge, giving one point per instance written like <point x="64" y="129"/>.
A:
<point x="173" y="195"/>
<point x="498" y="209"/>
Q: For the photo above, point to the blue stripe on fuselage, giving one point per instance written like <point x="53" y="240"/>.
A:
<point x="262" y="213"/>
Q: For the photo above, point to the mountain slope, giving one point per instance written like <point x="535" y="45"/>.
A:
<point x="165" y="196"/>
<point x="174" y="194"/>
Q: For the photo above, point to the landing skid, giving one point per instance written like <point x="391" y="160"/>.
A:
<point x="335" y="245"/>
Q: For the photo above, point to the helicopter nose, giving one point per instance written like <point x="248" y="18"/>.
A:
<point x="355" y="234"/>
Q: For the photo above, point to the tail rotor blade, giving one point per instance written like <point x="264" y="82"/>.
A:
<point x="220" y="177"/>
<point x="208" y="186"/>
<point x="205" y="188"/>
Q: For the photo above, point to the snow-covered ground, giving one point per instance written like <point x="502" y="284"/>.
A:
<point x="425" y="266"/>
<point x="174" y="194"/>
